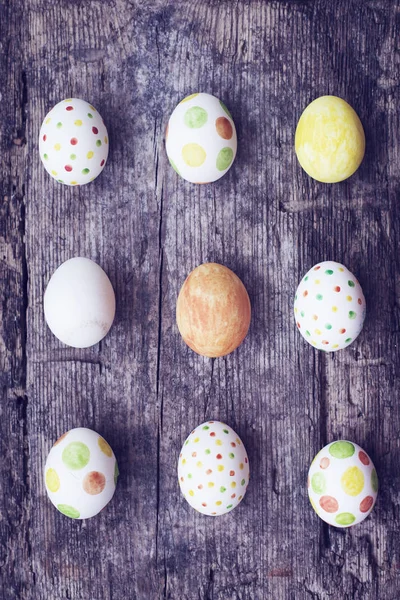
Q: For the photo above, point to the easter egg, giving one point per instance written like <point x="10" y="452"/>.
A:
<point x="81" y="473"/>
<point x="213" y="310"/>
<point x="342" y="484"/>
<point x="79" y="303"/>
<point x="329" y="306"/>
<point x="200" y="139"/>
<point x="73" y="142"/>
<point x="329" y="140"/>
<point x="213" y="469"/>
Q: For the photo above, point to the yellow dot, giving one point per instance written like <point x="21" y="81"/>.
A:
<point x="317" y="281"/>
<point x="335" y="346"/>
<point x="341" y="269"/>
<point x="92" y="107"/>
<point x="238" y="442"/>
<point x="188" y="98"/>
<point x="68" y="100"/>
<point x="233" y="484"/>
<point x="105" y="139"/>
<point x="199" y="464"/>
<point x="220" y="468"/>
<point x="193" y="155"/>
<point x="218" y="442"/>
<point x="184" y="461"/>
<point x="196" y="440"/>
<point x="57" y="147"/>
<point x="241" y="466"/>
<point x="318" y="331"/>
<point x="352" y="481"/>
<point x="191" y="493"/>
<point x="295" y="310"/>
<point x="54" y="172"/>
<point x="313" y="343"/>
<point x="52" y="480"/>
<point x="90" y="154"/>
<point x="48" y="121"/>
<point x="104" y="447"/>
<point x="78" y="122"/>
<point x="218" y="503"/>
<point x="349" y="298"/>
<point x="74" y="183"/>
<point x="334" y="308"/>
<point x="210" y="484"/>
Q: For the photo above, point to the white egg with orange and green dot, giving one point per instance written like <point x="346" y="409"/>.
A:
<point x="342" y="484"/>
<point x="329" y="307"/>
<point x="213" y="469"/>
<point x="200" y="139"/>
<point x="73" y="142"/>
<point x="81" y="473"/>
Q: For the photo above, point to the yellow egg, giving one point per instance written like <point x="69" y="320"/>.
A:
<point x="330" y="140"/>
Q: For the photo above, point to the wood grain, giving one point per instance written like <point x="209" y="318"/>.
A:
<point x="141" y="387"/>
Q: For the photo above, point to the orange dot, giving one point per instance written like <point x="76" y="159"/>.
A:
<point x="209" y="471"/>
<point x="315" y="317"/>
<point x="324" y="462"/>
<point x="329" y="504"/>
<point x="305" y="293"/>
<point x="94" y="483"/>
<point x="316" y="268"/>
<point x="224" y="128"/>
<point x="325" y="342"/>
<point x="336" y="288"/>
<point x="342" y="331"/>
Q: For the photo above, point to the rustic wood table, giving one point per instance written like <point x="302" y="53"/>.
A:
<point x="141" y="387"/>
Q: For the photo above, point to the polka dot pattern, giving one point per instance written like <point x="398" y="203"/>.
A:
<point x="342" y="484"/>
<point x="81" y="473"/>
<point x="213" y="469"/>
<point x="73" y="125"/>
<point x="326" y="315"/>
<point x="200" y="139"/>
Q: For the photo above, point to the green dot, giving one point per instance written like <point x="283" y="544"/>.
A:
<point x="186" y="443"/>
<point x="306" y="278"/>
<point x="341" y="449"/>
<point x="243" y="482"/>
<point x="116" y="473"/>
<point x="98" y="143"/>
<point x="345" y="518"/>
<point x="225" y="109"/>
<point x="76" y="455"/>
<point x="231" y="455"/>
<point x="173" y="165"/>
<point x="351" y="283"/>
<point x="208" y="451"/>
<point x="189" y="476"/>
<point x="302" y="313"/>
<point x="206" y="427"/>
<point x="328" y="326"/>
<point x="225" y="431"/>
<point x="222" y="489"/>
<point x="85" y="171"/>
<point x="195" y="117"/>
<point x="318" y="483"/>
<point x="229" y="506"/>
<point x="224" y="158"/>
<point x="90" y="116"/>
<point x="329" y="272"/>
<point x="60" y="181"/>
<point x="68" y="511"/>
<point x="308" y="333"/>
<point x="45" y="156"/>
<point x="352" y="314"/>
<point x="374" y="481"/>
<point x="295" y="297"/>
<point x="319" y="297"/>
<point x="72" y="156"/>
<point x="59" y="125"/>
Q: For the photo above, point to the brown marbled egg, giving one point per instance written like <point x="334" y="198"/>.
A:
<point x="213" y="310"/>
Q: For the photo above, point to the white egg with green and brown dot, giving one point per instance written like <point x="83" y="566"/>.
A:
<point x="213" y="469"/>
<point x="73" y="142"/>
<point x="201" y="139"/>
<point x="329" y="307"/>
<point x="81" y="473"/>
<point x="342" y="484"/>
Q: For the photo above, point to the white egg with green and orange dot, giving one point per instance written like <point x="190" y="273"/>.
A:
<point x="201" y="139"/>
<point x="73" y="142"/>
<point x="81" y="473"/>
<point x="342" y="484"/>
<point x="329" y="307"/>
<point x="213" y="469"/>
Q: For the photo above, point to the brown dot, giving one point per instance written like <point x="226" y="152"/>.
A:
<point x="363" y="458"/>
<point x="219" y="456"/>
<point x="359" y="301"/>
<point x="224" y="128"/>
<point x="60" y="439"/>
<point x="325" y="342"/>
<point x="194" y="454"/>
<point x="233" y="496"/>
<point x="305" y="293"/>
<point x="366" y="504"/>
<point x="329" y="504"/>
<point x="232" y="473"/>
<point x="336" y="288"/>
<point x="233" y="444"/>
<point x="316" y="268"/>
<point x="324" y="462"/>
<point x="315" y="317"/>
<point x="94" y="483"/>
<point x="182" y="479"/>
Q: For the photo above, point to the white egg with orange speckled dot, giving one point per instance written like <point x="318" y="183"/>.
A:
<point x="329" y="306"/>
<point x="73" y="142"/>
<point x="201" y="140"/>
<point x="213" y="469"/>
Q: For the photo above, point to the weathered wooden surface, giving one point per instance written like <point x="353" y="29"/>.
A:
<point x="142" y="388"/>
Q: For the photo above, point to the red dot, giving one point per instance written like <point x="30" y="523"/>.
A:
<point x="212" y="434"/>
<point x="325" y="342"/>
<point x="336" y="289"/>
<point x="363" y="458"/>
<point x="73" y="141"/>
<point x="298" y="325"/>
<point x="359" y="301"/>
<point x="102" y="162"/>
<point x="245" y="460"/>
<point x="232" y="473"/>
<point x="203" y="504"/>
<point x="316" y="268"/>
<point x="305" y="293"/>
<point x="233" y="444"/>
<point x="68" y="168"/>
<point x="342" y="331"/>
<point x="219" y="456"/>
<point x="95" y="130"/>
<point x="366" y="504"/>
<point x="44" y="138"/>
<point x="233" y="496"/>
<point x="69" y="108"/>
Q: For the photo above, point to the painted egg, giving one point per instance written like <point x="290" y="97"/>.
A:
<point x="79" y="303"/>
<point x="329" y="307"/>
<point x="73" y="142"/>
<point x="213" y="469"/>
<point x="330" y="140"/>
<point x="81" y="473"/>
<point x="342" y="484"/>
<point x="201" y="140"/>
<point x="213" y="310"/>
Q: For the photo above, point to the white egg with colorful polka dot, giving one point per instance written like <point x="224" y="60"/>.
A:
<point x="342" y="484"/>
<point x="213" y="469"/>
<point x="201" y="140"/>
<point x="73" y="142"/>
<point x="81" y="473"/>
<point x="329" y="307"/>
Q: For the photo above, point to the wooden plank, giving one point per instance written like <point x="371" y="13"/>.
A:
<point x="141" y="387"/>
